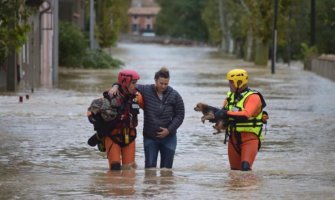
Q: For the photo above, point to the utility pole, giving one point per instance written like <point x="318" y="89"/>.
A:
<point x="92" y="24"/>
<point x="55" y="49"/>
<point x="274" y="38"/>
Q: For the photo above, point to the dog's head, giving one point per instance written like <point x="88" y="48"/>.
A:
<point x="200" y="107"/>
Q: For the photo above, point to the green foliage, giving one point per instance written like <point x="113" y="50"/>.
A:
<point x="293" y="28"/>
<point x="210" y="15"/>
<point x="181" y="19"/>
<point x="251" y="16"/>
<point x="236" y="12"/>
<point x="308" y="51"/>
<point x="293" y="24"/>
<point x="325" y="26"/>
<point x="99" y="59"/>
<point x="13" y="26"/>
<point x="72" y="45"/>
<point x="74" y="52"/>
<point x="257" y="16"/>
<point x="111" y="18"/>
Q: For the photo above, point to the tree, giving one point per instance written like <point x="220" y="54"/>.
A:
<point x="325" y="26"/>
<point x="292" y="28"/>
<point x="13" y="26"/>
<point x="72" y="45"/>
<point x="225" y="20"/>
<point x="210" y="15"/>
<point x="249" y="24"/>
<point x="181" y="18"/>
<point x="111" y="18"/>
<point x="259" y="21"/>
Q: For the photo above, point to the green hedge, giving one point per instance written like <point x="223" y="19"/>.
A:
<point x="74" y="51"/>
<point x="100" y="60"/>
<point x="72" y="45"/>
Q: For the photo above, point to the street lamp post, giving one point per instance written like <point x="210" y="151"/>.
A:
<point x="274" y="38"/>
<point x="55" y="51"/>
<point x="92" y="24"/>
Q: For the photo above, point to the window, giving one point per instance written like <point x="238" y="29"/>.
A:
<point x="134" y="27"/>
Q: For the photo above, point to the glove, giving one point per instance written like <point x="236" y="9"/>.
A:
<point x="221" y="115"/>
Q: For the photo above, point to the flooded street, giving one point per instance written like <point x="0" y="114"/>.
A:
<point x="44" y="151"/>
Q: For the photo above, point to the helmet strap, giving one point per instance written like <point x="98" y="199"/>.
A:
<point x="236" y="91"/>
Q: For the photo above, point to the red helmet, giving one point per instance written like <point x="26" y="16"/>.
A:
<point x="126" y="76"/>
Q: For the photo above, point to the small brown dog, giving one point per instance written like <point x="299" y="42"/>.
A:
<point x="209" y="114"/>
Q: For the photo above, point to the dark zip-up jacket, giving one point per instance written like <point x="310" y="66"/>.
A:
<point x="167" y="113"/>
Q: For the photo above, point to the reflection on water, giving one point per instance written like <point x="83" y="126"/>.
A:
<point x="114" y="183"/>
<point x="44" y="151"/>
<point x="157" y="182"/>
<point x="243" y="181"/>
<point x="83" y="81"/>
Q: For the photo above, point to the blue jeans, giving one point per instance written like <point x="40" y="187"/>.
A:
<point x="166" y="147"/>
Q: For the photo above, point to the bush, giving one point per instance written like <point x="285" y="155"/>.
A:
<point x="98" y="59"/>
<point x="308" y="54"/>
<point x="72" y="45"/>
<point x="74" y="52"/>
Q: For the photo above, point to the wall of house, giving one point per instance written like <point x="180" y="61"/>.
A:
<point x="145" y="23"/>
<point x="29" y="58"/>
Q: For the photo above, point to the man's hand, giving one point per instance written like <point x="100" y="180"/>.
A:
<point x="114" y="91"/>
<point x="221" y="114"/>
<point x="163" y="133"/>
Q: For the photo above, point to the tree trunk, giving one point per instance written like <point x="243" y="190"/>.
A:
<point x="261" y="53"/>
<point x="225" y="39"/>
<point x="248" y="46"/>
<point x="11" y="72"/>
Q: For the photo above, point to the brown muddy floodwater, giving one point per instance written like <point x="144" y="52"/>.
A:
<point x="44" y="151"/>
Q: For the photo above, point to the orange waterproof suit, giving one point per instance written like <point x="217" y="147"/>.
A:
<point x="120" y="143"/>
<point x="243" y="145"/>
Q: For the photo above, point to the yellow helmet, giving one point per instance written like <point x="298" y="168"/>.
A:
<point x="236" y="75"/>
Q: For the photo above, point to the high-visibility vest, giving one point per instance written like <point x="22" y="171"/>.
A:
<point x="252" y="124"/>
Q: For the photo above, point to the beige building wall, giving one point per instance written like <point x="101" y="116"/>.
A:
<point x="46" y="48"/>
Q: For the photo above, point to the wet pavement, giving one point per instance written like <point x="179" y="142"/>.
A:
<point x="44" y="151"/>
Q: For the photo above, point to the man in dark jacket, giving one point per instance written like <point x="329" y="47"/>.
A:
<point x="164" y="112"/>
